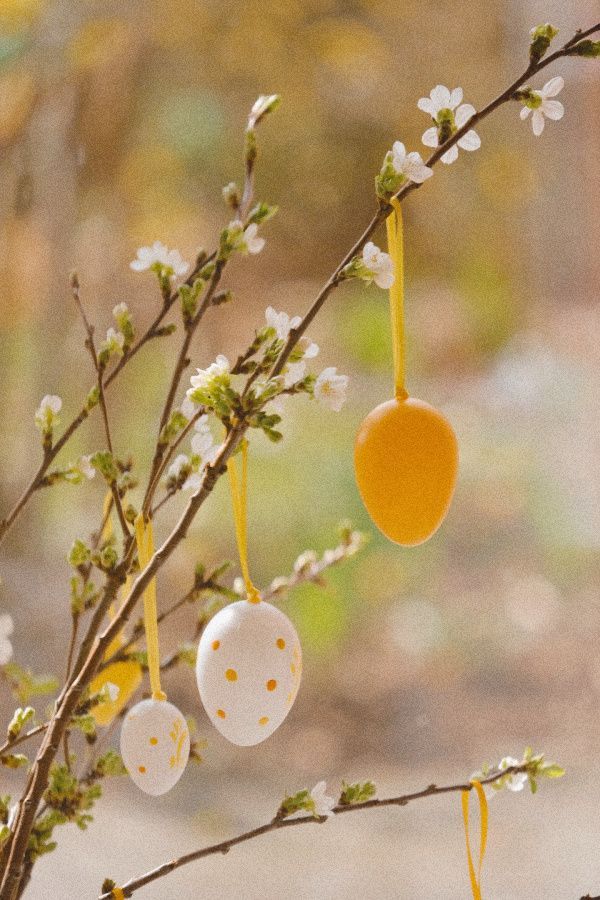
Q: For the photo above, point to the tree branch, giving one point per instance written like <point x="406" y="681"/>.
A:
<point x="278" y="823"/>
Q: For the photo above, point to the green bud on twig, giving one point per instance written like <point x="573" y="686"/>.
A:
<point x="589" y="49"/>
<point x="541" y="37"/>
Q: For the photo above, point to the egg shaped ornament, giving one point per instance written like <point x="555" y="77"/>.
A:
<point x="155" y="745"/>
<point x="248" y="670"/>
<point x="406" y="464"/>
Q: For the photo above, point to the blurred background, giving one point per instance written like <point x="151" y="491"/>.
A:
<point x="119" y="124"/>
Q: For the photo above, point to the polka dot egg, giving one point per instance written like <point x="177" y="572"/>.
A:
<point x="155" y="745"/>
<point x="248" y="670"/>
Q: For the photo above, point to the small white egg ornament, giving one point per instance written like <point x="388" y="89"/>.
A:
<point x="248" y="670"/>
<point x="155" y="745"/>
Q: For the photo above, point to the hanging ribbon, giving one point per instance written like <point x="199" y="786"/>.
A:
<point x="145" y="547"/>
<point x="239" y="493"/>
<point x="395" y="230"/>
<point x="475" y="877"/>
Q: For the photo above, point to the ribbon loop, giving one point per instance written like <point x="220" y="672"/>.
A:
<point x="475" y="876"/>
<point x="395" y="232"/>
<point x="145" y="547"/>
<point x="239" y="501"/>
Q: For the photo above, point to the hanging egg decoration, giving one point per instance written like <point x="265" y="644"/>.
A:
<point x="155" y="745"/>
<point x="248" y="670"/>
<point x="406" y="453"/>
<point x="406" y="464"/>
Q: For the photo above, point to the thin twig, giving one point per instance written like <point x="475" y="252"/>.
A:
<point x="276" y="824"/>
<point x="102" y="399"/>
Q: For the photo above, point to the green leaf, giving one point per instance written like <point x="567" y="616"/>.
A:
<point x="359" y="792"/>
<point x="20" y="717"/>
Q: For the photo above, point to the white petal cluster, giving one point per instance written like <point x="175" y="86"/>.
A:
<point x="203" y="443"/>
<point x="322" y="804"/>
<point x="46" y="415"/>
<point x="443" y="103"/>
<point x="7" y="627"/>
<point x="245" y="240"/>
<point x="378" y="265"/>
<point x="204" y="377"/>
<point x="410" y="165"/>
<point x="280" y="322"/>
<point x="516" y="781"/>
<point x="542" y="107"/>
<point x="114" y="342"/>
<point x="330" y="388"/>
<point x="84" y="465"/>
<point x="170" y="261"/>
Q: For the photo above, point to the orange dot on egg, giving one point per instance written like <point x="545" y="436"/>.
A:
<point x="271" y="684"/>
<point x="141" y="769"/>
<point x="231" y="675"/>
<point x="292" y="668"/>
<point x="154" y="741"/>
<point x="406" y="464"/>
<point x="280" y="643"/>
<point x="216" y="645"/>
<point x="221" y="713"/>
<point x="263" y="720"/>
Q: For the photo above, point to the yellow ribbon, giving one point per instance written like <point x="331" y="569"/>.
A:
<point x="483" y="824"/>
<point x="394" y="228"/>
<point x="239" y="493"/>
<point x="145" y="547"/>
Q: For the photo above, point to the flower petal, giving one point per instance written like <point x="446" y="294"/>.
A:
<point x="463" y="114"/>
<point x="553" y="109"/>
<point x="440" y="97"/>
<point x="450" y="155"/>
<point x="430" y="137"/>
<point x="426" y="105"/>
<point x="537" y="122"/>
<point x="553" y="87"/>
<point x="470" y="141"/>
<point x="455" y="97"/>
<point x="525" y="112"/>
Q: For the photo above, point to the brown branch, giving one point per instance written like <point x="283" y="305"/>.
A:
<point x="278" y="823"/>
<point x="7" y="746"/>
<point x="385" y="208"/>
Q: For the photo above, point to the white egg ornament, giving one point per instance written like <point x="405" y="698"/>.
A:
<point x="248" y="670"/>
<point x="155" y="745"/>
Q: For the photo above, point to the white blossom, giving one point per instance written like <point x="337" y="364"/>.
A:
<point x="203" y="377"/>
<point x="6" y="629"/>
<point x="309" y="348"/>
<point x="46" y="415"/>
<point x="542" y="107"/>
<point x="445" y="105"/>
<point x="202" y="440"/>
<point x="174" y="470"/>
<point x="114" y="342"/>
<point x="293" y="373"/>
<point x="280" y="322"/>
<point x="158" y="255"/>
<point x="330" y="388"/>
<point x="378" y="265"/>
<point x="188" y="408"/>
<point x="517" y="780"/>
<point x="322" y="804"/>
<point x="85" y="466"/>
<point x="246" y="240"/>
<point x="409" y="164"/>
<point x="121" y="309"/>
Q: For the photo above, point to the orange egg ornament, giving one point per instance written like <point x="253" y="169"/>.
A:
<point x="406" y="463"/>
